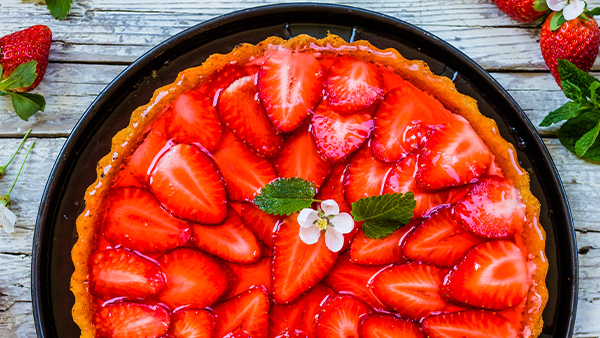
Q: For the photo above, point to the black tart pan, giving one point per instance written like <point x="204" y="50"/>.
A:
<point x="90" y="140"/>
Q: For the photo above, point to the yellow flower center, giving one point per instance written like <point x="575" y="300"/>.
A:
<point x="321" y="223"/>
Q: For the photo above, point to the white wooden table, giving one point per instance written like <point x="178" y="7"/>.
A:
<point x="101" y="37"/>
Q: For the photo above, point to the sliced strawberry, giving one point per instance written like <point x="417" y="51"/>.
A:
<point x="365" y="176"/>
<point x="192" y="324"/>
<point x="353" y="85"/>
<point x="412" y="290"/>
<point x="440" y="240"/>
<point x="262" y="224"/>
<point x="383" y="325"/>
<point x="187" y="271"/>
<point x="492" y="208"/>
<point x="121" y="273"/>
<point x="194" y="108"/>
<point x="242" y="112"/>
<point x="237" y="206"/>
<point x="135" y="220"/>
<point x="388" y="250"/>
<point x="247" y="313"/>
<point x="186" y="181"/>
<point x="231" y="241"/>
<point x="219" y="81"/>
<point x="245" y="172"/>
<point x="289" y="85"/>
<point x="299" y="319"/>
<point x="453" y="156"/>
<point x="126" y="179"/>
<point x="297" y="266"/>
<point x="340" y="317"/>
<point x="352" y="279"/>
<point x="492" y="275"/>
<point x="246" y="276"/>
<point x="300" y="158"/>
<point x="393" y="81"/>
<point x="471" y="323"/>
<point x="142" y="161"/>
<point x="339" y="136"/>
<point x="131" y="320"/>
<point x="402" y="122"/>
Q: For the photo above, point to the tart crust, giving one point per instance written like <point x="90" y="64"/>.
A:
<point x="415" y="71"/>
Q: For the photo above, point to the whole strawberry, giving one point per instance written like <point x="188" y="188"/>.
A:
<point x="31" y="44"/>
<point x="523" y="10"/>
<point x="576" y="40"/>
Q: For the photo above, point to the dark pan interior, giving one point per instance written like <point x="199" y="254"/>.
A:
<point x="74" y="170"/>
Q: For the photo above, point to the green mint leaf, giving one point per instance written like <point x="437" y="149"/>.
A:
<point x="285" y="196"/>
<point x="585" y="142"/>
<point x="540" y="5"/>
<point x="572" y="92"/>
<point x="22" y="77"/>
<point x="569" y="72"/>
<point x="595" y="94"/>
<point x="384" y="214"/>
<point x="565" y="112"/>
<point x="575" y="128"/>
<point x="59" y="8"/>
<point x="557" y="20"/>
<point x="26" y="104"/>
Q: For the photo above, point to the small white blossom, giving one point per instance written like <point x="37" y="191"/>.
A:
<point x="571" y="8"/>
<point x="328" y="219"/>
<point x="7" y="219"/>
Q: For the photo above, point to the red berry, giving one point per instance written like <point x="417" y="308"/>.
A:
<point x="520" y="10"/>
<point x="340" y="317"/>
<point x="246" y="313"/>
<point x="471" y="323"/>
<point x="131" y="320"/>
<point x="383" y="325"/>
<point x="192" y="324"/>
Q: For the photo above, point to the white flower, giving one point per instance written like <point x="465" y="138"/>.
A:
<point x="329" y="219"/>
<point x="571" y="8"/>
<point x="7" y="219"/>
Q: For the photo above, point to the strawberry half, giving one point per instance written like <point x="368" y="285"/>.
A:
<point x="247" y="313"/>
<point x="492" y="208"/>
<point x="299" y="319"/>
<point x="402" y="122"/>
<point x="388" y="250"/>
<point x="383" y="325"/>
<point x="289" y="85"/>
<point x="299" y="157"/>
<point x="453" y="156"/>
<point x="492" y="275"/>
<point x="136" y="221"/>
<point x="131" y="320"/>
<point x="471" y="323"/>
<point x="440" y="240"/>
<point x="262" y="224"/>
<point x="352" y="279"/>
<point x="244" y="172"/>
<point x="365" y="176"/>
<point x="192" y="324"/>
<point x="246" y="276"/>
<point x="340" y="317"/>
<point x="242" y="112"/>
<point x="194" y="108"/>
<point x="187" y="183"/>
<point x="339" y="136"/>
<point x="143" y="159"/>
<point x="352" y="85"/>
<point x="121" y="273"/>
<point x="297" y="266"/>
<point x="412" y="290"/>
<point x="219" y="81"/>
<point x="187" y="271"/>
<point x="231" y="241"/>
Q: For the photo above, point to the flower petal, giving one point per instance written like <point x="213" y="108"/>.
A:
<point x="330" y="207"/>
<point x="310" y="235"/>
<point x="343" y="223"/>
<point x="7" y="219"/>
<point x="573" y="9"/>
<point x="307" y="217"/>
<point x="334" y="240"/>
<point x="556" y="5"/>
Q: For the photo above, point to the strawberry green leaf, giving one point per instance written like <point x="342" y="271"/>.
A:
<point x="285" y="196"/>
<point x="585" y="142"/>
<point x="384" y="214"/>
<point x="26" y="104"/>
<point x="569" y="72"/>
<point x="59" y="8"/>
<point x="593" y="12"/>
<point x="540" y="5"/>
<point x="557" y="20"/>
<point x="22" y="77"/>
<point x="575" y="128"/>
<point x="565" y="112"/>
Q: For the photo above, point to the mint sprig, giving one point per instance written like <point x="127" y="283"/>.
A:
<point x="384" y="214"/>
<point x="580" y="132"/>
<point x="285" y="196"/>
<point x="25" y="104"/>
<point x="59" y="8"/>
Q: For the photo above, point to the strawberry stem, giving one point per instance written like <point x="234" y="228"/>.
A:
<point x="7" y="196"/>
<point x="3" y="168"/>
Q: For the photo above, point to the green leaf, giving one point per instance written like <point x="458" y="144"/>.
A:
<point x="59" y="8"/>
<point x="595" y="94"/>
<point x="593" y="12"/>
<point x="575" y="128"/>
<point x="585" y="142"/>
<point x="565" y="112"/>
<point x="540" y="5"/>
<point x="1" y="69"/>
<point x="384" y="214"/>
<point x="285" y="196"/>
<point x="22" y="77"/>
<point x="557" y="20"/>
<point x="572" y="92"/>
<point x="27" y="104"/>
<point x="569" y="72"/>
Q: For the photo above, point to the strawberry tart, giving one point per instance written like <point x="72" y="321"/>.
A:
<point x="174" y="243"/>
